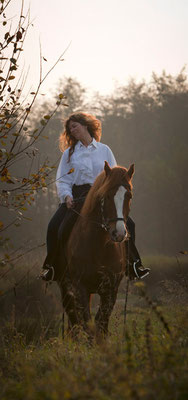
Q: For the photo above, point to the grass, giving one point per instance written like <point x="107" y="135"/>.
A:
<point x="145" y="359"/>
<point x="147" y="363"/>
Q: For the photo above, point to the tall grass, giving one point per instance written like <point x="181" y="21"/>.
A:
<point x="145" y="360"/>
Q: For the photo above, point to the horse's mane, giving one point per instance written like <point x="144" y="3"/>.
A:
<point x="103" y="183"/>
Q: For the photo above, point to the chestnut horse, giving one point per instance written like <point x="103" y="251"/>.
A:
<point x="95" y="251"/>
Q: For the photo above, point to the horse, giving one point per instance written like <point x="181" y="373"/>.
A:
<point x="95" y="253"/>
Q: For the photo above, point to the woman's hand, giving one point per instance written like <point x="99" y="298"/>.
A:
<point x="69" y="202"/>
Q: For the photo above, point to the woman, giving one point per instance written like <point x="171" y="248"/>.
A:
<point x="80" y="164"/>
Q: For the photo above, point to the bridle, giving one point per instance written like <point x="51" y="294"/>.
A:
<point x="105" y="221"/>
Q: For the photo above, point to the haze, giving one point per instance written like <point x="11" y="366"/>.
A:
<point x="109" y="41"/>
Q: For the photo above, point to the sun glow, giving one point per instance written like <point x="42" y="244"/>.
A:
<point x="108" y="42"/>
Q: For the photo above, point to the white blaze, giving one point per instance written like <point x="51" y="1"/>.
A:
<point x="119" y="200"/>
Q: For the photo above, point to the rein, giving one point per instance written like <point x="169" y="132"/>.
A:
<point x="105" y="222"/>
<point x="92" y="221"/>
<point x="126" y="292"/>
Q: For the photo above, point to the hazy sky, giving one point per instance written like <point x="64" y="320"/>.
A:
<point x="110" y="40"/>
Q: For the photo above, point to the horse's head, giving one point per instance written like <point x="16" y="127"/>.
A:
<point x="115" y="197"/>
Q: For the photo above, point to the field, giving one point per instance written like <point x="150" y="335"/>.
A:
<point x="144" y="357"/>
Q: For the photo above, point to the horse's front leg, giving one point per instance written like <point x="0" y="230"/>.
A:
<point x="108" y="295"/>
<point x="83" y="305"/>
<point x="69" y="302"/>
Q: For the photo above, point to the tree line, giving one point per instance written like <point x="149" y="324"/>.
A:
<point x="144" y="123"/>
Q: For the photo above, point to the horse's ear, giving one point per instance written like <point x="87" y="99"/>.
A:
<point x="131" y="171"/>
<point x="107" y="168"/>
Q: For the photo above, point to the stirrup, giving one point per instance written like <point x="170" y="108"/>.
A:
<point x="140" y="272"/>
<point x="48" y="274"/>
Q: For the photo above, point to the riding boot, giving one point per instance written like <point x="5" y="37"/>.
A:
<point x="58" y="233"/>
<point x="135" y="268"/>
<point x="51" y="267"/>
<point x="48" y="273"/>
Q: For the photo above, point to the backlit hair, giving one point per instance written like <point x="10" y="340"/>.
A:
<point x="66" y="140"/>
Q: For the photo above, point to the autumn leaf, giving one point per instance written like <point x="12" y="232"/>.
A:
<point x="1" y="225"/>
<point x="13" y="68"/>
<point x="4" y="172"/>
<point x="7" y="256"/>
<point x="18" y="36"/>
<point x="139" y="284"/>
<point x="28" y="218"/>
<point x="70" y="171"/>
<point x="13" y="60"/>
<point x="6" y="35"/>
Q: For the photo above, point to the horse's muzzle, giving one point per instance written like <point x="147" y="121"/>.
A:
<point x="117" y="236"/>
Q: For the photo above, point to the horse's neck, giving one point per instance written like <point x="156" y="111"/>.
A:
<point x="92" y="224"/>
<point x="87" y="239"/>
<point x="93" y="219"/>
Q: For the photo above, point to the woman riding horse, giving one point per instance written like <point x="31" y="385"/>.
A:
<point x="94" y="258"/>
<point x="82" y="161"/>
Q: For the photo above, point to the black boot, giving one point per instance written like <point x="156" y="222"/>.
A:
<point x="135" y="269"/>
<point x="48" y="273"/>
<point x="139" y="271"/>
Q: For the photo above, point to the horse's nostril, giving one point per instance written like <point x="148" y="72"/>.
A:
<point x="118" y="236"/>
<point x="114" y="234"/>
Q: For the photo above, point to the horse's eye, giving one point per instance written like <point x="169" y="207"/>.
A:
<point x="129" y="195"/>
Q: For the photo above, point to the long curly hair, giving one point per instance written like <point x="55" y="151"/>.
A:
<point x="66" y="140"/>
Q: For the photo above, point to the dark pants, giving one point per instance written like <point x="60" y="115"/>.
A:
<point x="62" y="222"/>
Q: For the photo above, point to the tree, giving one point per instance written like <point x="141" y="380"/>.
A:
<point x="147" y="124"/>
<point x="74" y="97"/>
<point x="23" y="172"/>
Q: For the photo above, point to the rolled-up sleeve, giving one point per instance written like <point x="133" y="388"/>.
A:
<point x="64" y="179"/>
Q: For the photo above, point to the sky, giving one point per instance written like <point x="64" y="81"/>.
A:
<point x="109" y="41"/>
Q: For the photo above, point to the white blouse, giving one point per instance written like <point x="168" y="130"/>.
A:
<point x="86" y="162"/>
